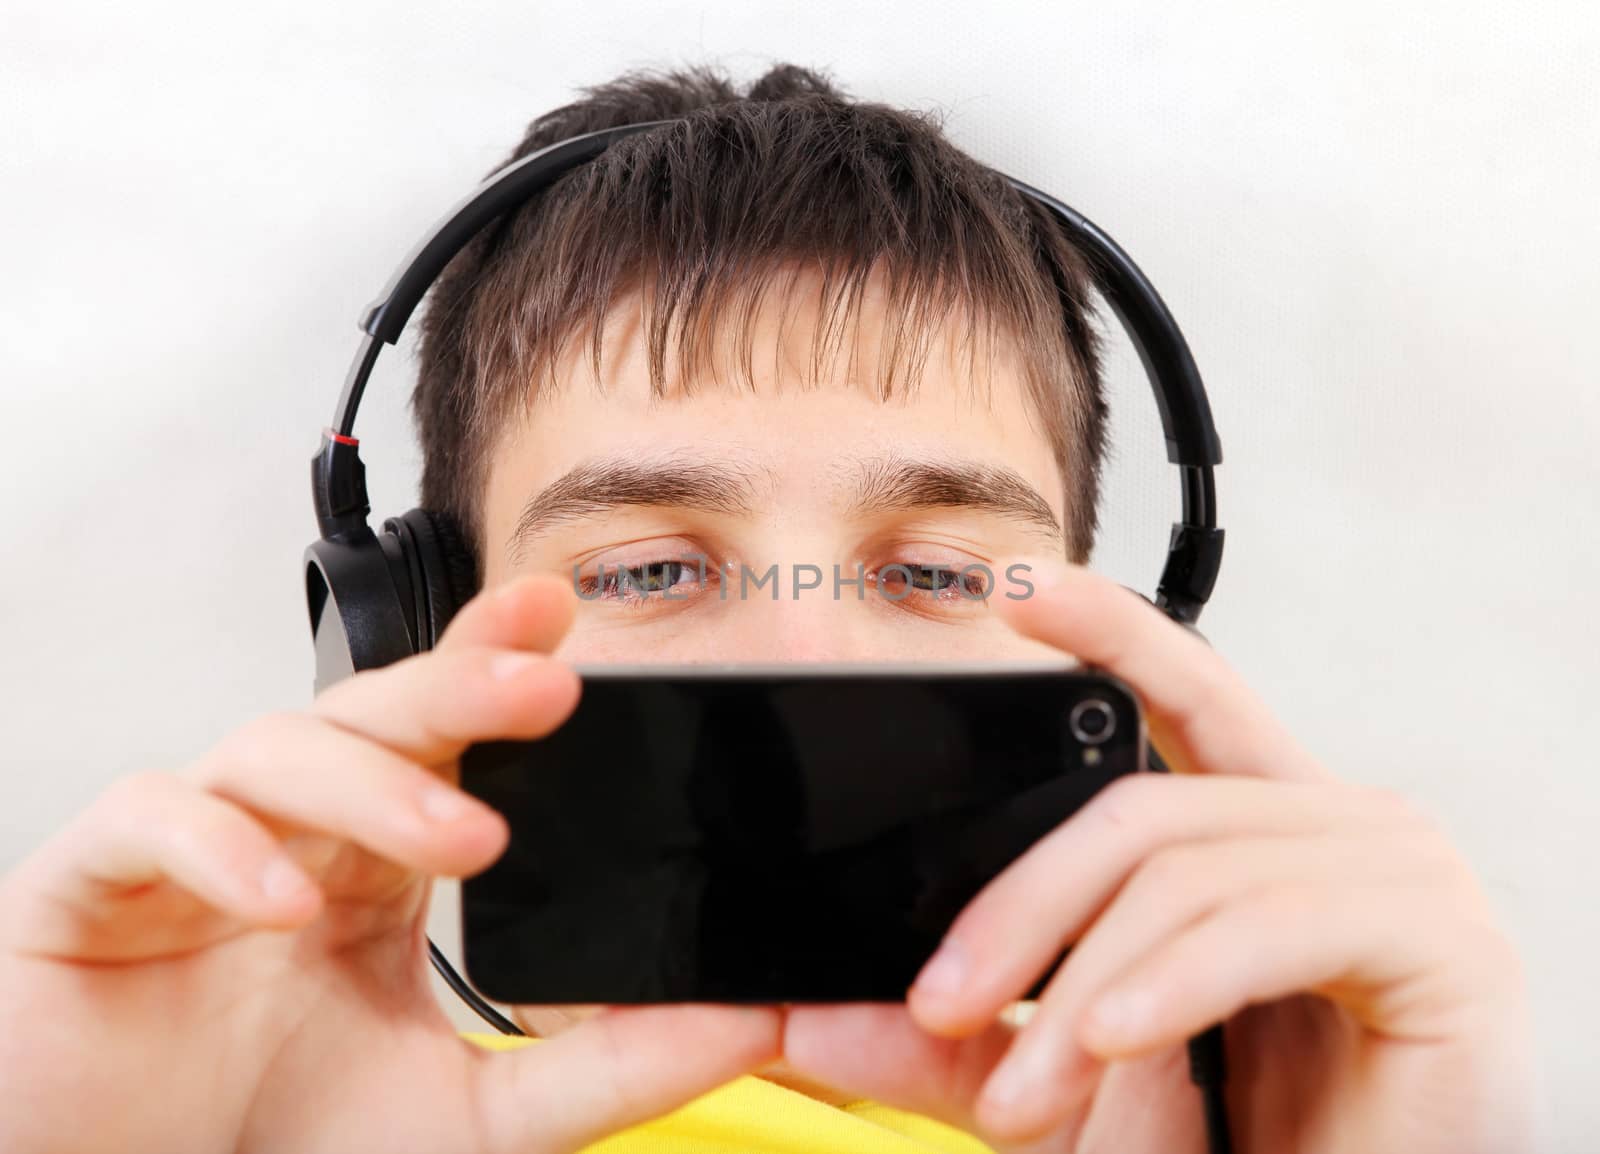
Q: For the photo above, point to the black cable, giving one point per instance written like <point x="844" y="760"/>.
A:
<point x="467" y="994"/>
<point x="1219" y="1139"/>
<point x="1208" y="1070"/>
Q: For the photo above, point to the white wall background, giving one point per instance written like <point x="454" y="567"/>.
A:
<point x="1376" y="222"/>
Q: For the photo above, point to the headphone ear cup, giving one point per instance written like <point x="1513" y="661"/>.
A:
<point x="359" y="602"/>
<point x="1189" y="625"/>
<point x="444" y="569"/>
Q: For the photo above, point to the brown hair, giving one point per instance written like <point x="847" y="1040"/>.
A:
<point x="701" y="214"/>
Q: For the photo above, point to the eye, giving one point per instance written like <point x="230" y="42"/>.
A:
<point x="635" y="583"/>
<point x="900" y="581"/>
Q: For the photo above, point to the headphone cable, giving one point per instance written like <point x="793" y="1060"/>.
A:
<point x="467" y="994"/>
<point x="1208" y="1070"/>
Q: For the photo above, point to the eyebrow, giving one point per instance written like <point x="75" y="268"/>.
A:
<point x="726" y="486"/>
<point x="901" y="483"/>
<point x="595" y="487"/>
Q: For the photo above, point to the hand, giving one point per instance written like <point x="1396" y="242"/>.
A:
<point x="233" y="957"/>
<point x="1373" y="1005"/>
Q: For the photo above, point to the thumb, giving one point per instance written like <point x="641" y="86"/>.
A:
<point x="530" y="612"/>
<point x="624" y="1066"/>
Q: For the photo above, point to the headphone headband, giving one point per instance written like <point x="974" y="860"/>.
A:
<point x="1194" y="548"/>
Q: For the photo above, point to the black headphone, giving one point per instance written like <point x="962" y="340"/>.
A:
<point x="376" y="598"/>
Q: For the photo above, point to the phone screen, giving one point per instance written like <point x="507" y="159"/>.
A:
<point x="784" y="837"/>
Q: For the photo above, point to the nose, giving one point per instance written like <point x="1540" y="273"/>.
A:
<point x="808" y="626"/>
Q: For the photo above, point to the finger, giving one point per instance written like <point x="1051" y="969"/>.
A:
<point x="430" y="707"/>
<point x="531" y="612"/>
<point x="303" y="771"/>
<point x="1202" y="715"/>
<point x="879" y="1052"/>
<point x="146" y="829"/>
<point x="1018" y="925"/>
<point x="1169" y="892"/>
<point x="624" y="1066"/>
<point x="1407" y="977"/>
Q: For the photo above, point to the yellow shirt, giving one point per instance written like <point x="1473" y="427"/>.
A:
<point x="751" y="1115"/>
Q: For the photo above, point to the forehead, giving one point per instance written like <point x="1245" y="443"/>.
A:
<point x="756" y="394"/>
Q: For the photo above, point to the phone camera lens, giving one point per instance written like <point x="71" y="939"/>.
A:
<point x="1092" y="721"/>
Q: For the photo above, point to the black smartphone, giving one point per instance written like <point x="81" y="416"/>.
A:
<point x="773" y="834"/>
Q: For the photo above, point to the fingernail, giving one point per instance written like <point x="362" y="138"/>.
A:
<point x="282" y="879"/>
<point x="508" y="665"/>
<point x="1116" y="1014"/>
<point x="507" y="589"/>
<point x="1049" y="578"/>
<point x="442" y="803"/>
<point x="945" y="972"/>
<point x="1015" y="1078"/>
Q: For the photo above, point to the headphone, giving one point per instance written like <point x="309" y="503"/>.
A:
<point x="375" y="598"/>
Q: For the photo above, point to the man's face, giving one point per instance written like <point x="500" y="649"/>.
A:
<point x="957" y="473"/>
<point x="950" y="476"/>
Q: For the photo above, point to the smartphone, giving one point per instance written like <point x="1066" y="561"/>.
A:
<point x="773" y="834"/>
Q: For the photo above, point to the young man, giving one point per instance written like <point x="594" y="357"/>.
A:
<point x="230" y="956"/>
